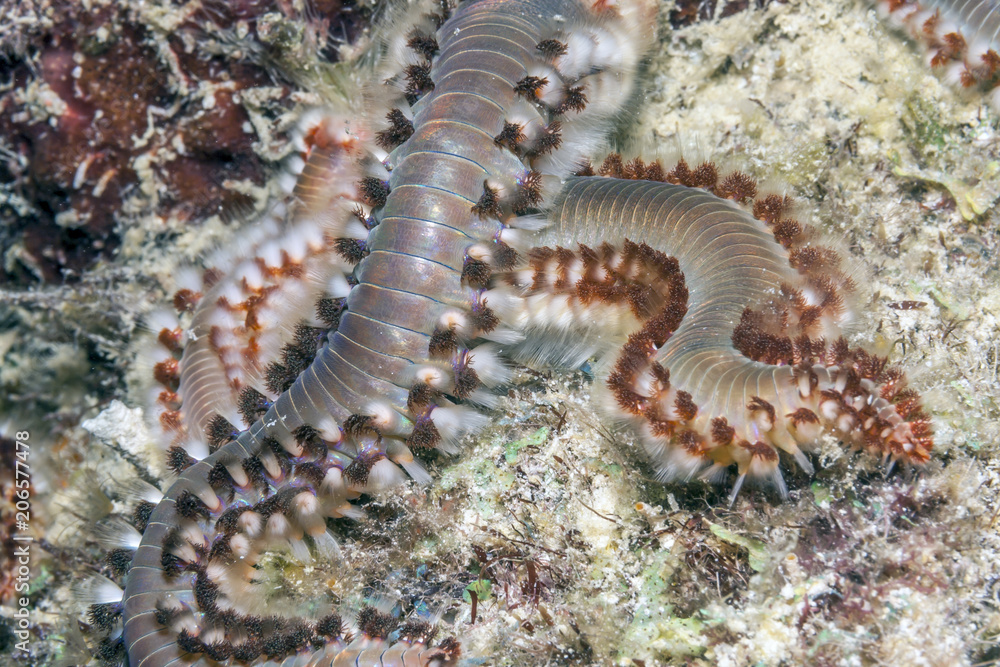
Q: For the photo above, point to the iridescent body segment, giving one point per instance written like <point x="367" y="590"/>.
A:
<point x="390" y="374"/>
<point x="401" y="271"/>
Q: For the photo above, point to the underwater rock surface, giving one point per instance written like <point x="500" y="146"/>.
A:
<point x="573" y="551"/>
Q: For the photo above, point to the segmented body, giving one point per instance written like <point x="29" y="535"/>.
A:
<point x="411" y="308"/>
<point x="724" y="359"/>
<point x="962" y="36"/>
<point x="748" y="367"/>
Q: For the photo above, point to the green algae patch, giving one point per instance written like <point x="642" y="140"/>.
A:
<point x="654" y="629"/>
<point x="972" y="199"/>
<point x="483" y="589"/>
<point x="921" y="122"/>
<point x="822" y="496"/>
<point x="482" y="472"/>
<point x="756" y="548"/>
<point x="536" y="439"/>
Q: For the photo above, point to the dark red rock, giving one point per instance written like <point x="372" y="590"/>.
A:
<point x="106" y="84"/>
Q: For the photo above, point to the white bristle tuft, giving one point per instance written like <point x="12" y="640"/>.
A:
<point x="251" y="523"/>
<point x="483" y="398"/>
<point x="287" y="442"/>
<point x="216" y="571"/>
<point x="454" y="421"/>
<point x="384" y="475"/>
<point x="504" y="336"/>
<point x="479" y="251"/>
<point x="508" y="306"/>
<point x="716" y="474"/>
<point x="349" y="511"/>
<point x="610" y="52"/>
<point x="524" y="114"/>
<point x="550" y="92"/>
<point x="329" y="430"/>
<point x="250" y="274"/>
<point x="326" y="546"/>
<point x="485" y="360"/>
<point x="172" y="604"/>
<point x="454" y="319"/>
<point x="240" y="546"/>
<point x="117" y="533"/>
<point x="518" y="239"/>
<point x="231" y="293"/>
<point x="954" y="72"/>
<point x="213" y="635"/>
<point x="208" y="496"/>
<point x="136" y="490"/>
<point x="312" y="234"/>
<point x="333" y="483"/>
<point x="294" y="245"/>
<point x="673" y="463"/>
<point x="771" y="476"/>
<point x="338" y="287"/>
<point x="196" y="449"/>
<point x="270" y="254"/>
<point x="804" y="462"/>
<point x="160" y="319"/>
<point x="188" y="278"/>
<point x="736" y="489"/>
<point x="239" y="475"/>
<point x="355" y="230"/>
<point x="185" y="552"/>
<point x="580" y="139"/>
<point x="384" y="417"/>
<point x="306" y="508"/>
<point x="225" y="322"/>
<point x="529" y="223"/>
<point x="378" y="170"/>
<point x="577" y="60"/>
<point x="271" y="465"/>
<point x="153" y="395"/>
<point x="192" y="533"/>
<point x="300" y="551"/>
<point x="186" y="622"/>
<point x="415" y="470"/>
<point x="278" y="527"/>
<point x="97" y="589"/>
<point x="430" y="375"/>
